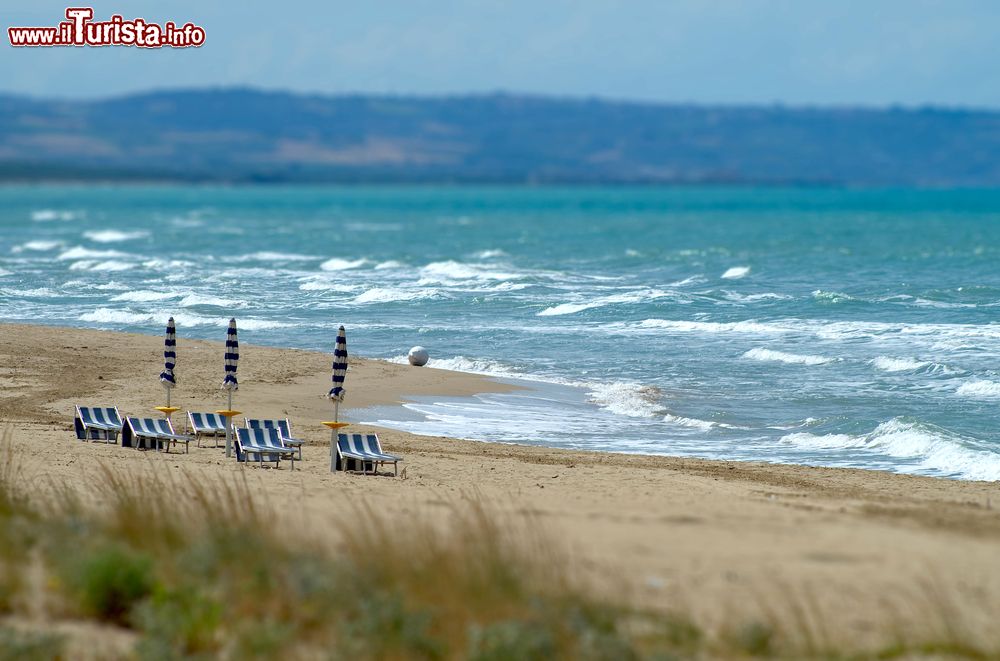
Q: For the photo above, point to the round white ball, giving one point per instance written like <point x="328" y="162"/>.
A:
<point x="418" y="356"/>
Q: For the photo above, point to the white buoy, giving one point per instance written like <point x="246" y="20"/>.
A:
<point x="418" y="356"/>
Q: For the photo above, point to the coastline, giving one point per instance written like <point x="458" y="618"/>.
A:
<point x="716" y="537"/>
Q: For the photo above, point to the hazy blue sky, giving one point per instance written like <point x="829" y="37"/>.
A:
<point x="743" y="51"/>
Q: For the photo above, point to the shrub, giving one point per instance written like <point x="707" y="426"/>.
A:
<point x="109" y="581"/>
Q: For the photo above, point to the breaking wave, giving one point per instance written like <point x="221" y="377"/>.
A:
<point x="930" y="447"/>
<point x="115" y="236"/>
<point x="736" y="272"/>
<point x="769" y="355"/>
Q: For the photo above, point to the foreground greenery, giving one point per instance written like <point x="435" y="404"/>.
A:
<point x="202" y="572"/>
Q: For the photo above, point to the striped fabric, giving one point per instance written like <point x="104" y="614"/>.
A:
<point x="264" y="443"/>
<point x="364" y="448"/>
<point x="284" y="429"/>
<point x="339" y="367"/>
<point x="97" y="422"/>
<point x="232" y="357"/>
<point x="157" y="430"/>
<point x="169" y="356"/>
<point x="207" y="423"/>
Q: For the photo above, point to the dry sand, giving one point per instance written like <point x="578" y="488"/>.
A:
<point x="846" y="551"/>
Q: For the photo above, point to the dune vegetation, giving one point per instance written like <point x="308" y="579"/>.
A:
<point x="177" y="569"/>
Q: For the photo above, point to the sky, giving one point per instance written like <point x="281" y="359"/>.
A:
<point x="796" y="52"/>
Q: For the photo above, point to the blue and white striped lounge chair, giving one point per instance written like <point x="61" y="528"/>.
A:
<point x="363" y="449"/>
<point x="207" y="425"/>
<point x="159" y="431"/>
<point x="262" y="444"/>
<point x="283" y="428"/>
<point x="102" y="423"/>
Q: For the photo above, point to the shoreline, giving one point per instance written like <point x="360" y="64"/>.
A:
<point x="407" y="383"/>
<point x="717" y="538"/>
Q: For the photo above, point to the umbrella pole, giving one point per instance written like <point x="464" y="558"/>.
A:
<point x="229" y="428"/>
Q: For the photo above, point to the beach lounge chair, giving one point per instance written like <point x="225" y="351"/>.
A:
<point x="364" y="450"/>
<point x="207" y="425"/>
<point x="263" y="444"/>
<point x="158" y="431"/>
<point x="283" y="428"/>
<point x="102" y="423"/>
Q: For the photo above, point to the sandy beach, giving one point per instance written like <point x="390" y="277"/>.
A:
<point x="852" y="553"/>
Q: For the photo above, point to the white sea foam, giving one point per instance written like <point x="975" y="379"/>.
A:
<point x="627" y="398"/>
<point x="79" y="252"/>
<point x="832" y="296"/>
<point x="566" y="308"/>
<point x="129" y="317"/>
<point x="113" y="316"/>
<point x="107" y="286"/>
<point x="753" y="298"/>
<point x="394" y="294"/>
<point x="390" y="264"/>
<point x="772" y="356"/>
<point x="271" y="256"/>
<point x="472" y="365"/>
<point x="450" y="272"/>
<point x="716" y="327"/>
<point x="144" y="295"/>
<point x="114" y="236"/>
<point x="890" y="364"/>
<point x="47" y="215"/>
<point x="693" y="423"/>
<point x="256" y="324"/>
<point x="192" y="300"/>
<point x="690" y="280"/>
<point x="41" y="292"/>
<point x="981" y="389"/>
<point x="101" y="265"/>
<point x="167" y="264"/>
<point x="339" y="264"/>
<point x="638" y="296"/>
<point x="930" y="447"/>
<point x="735" y="273"/>
<point x="490" y="254"/>
<point x="37" y="246"/>
<point x="315" y="284"/>
<point x="4" y="273"/>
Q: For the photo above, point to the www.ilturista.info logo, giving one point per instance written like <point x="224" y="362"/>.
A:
<point x="81" y="30"/>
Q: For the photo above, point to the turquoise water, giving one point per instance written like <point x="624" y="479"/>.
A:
<point x="830" y="327"/>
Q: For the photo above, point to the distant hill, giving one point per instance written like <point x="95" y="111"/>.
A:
<point x="239" y="135"/>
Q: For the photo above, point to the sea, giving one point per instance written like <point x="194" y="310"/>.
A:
<point x="828" y="327"/>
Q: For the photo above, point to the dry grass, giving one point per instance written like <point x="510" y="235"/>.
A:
<point x="197" y="570"/>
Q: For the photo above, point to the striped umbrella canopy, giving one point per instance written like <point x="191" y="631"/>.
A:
<point x="169" y="356"/>
<point x="232" y="358"/>
<point x="339" y="367"/>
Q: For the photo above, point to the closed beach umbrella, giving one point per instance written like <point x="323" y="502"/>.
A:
<point x="167" y="377"/>
<point x="232" y="360"/>
<point x="339" y="371"/>
<point x="229" y="382"/>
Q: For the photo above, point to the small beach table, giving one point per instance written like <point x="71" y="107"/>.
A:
<point x="334" y="428"/>
<point x="229" y="414"/>
<point x="167" y="411"/>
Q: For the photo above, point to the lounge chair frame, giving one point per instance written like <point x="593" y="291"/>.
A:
<point x="366" y="450"/>
<point x="159" y="431"/>
<point x="201" y="431"/>
<point x="89" y="428"/>
<point x="263" y="443"/>
<point x="284" y="429"/>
